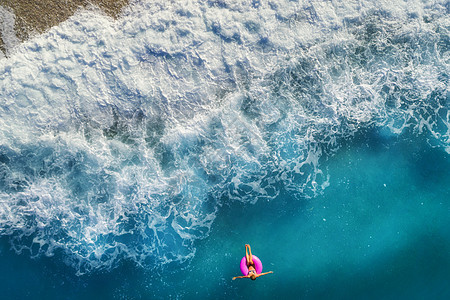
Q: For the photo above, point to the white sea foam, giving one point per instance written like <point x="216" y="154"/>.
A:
<point x="7" y="34"/>
<point x="120" y="139"/>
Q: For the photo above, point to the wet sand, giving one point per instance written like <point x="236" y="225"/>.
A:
<point x="37" y="16"/>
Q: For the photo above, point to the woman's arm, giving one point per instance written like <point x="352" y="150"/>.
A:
<point x="264" y="273"/>
<point x="240" y="277"/>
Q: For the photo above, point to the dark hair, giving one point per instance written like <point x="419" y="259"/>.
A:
<point x="253" y="277"/>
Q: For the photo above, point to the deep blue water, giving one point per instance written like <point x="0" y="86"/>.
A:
<point x="379" y="231"/>
<point x="139" y="155"/>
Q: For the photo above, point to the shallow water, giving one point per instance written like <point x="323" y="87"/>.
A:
<point x="138" y="156"/>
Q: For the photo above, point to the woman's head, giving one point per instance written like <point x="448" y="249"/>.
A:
<point x="253" y="276"/>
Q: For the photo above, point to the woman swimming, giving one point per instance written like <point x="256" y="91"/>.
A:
<point x="252" y="274"/>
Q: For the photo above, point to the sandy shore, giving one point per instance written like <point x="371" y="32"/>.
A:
<point x="40" y="15"/>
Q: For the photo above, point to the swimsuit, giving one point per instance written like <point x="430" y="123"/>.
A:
<point x="251" y="271"/>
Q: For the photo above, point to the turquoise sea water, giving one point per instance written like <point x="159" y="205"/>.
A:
<point x="379" y="231"/>
<point x="138" y="156"/>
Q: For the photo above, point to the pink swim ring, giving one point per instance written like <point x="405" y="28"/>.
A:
<point x="256" y="261"/>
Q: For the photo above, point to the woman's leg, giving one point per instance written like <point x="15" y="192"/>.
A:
<point x="248" y="256"/>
